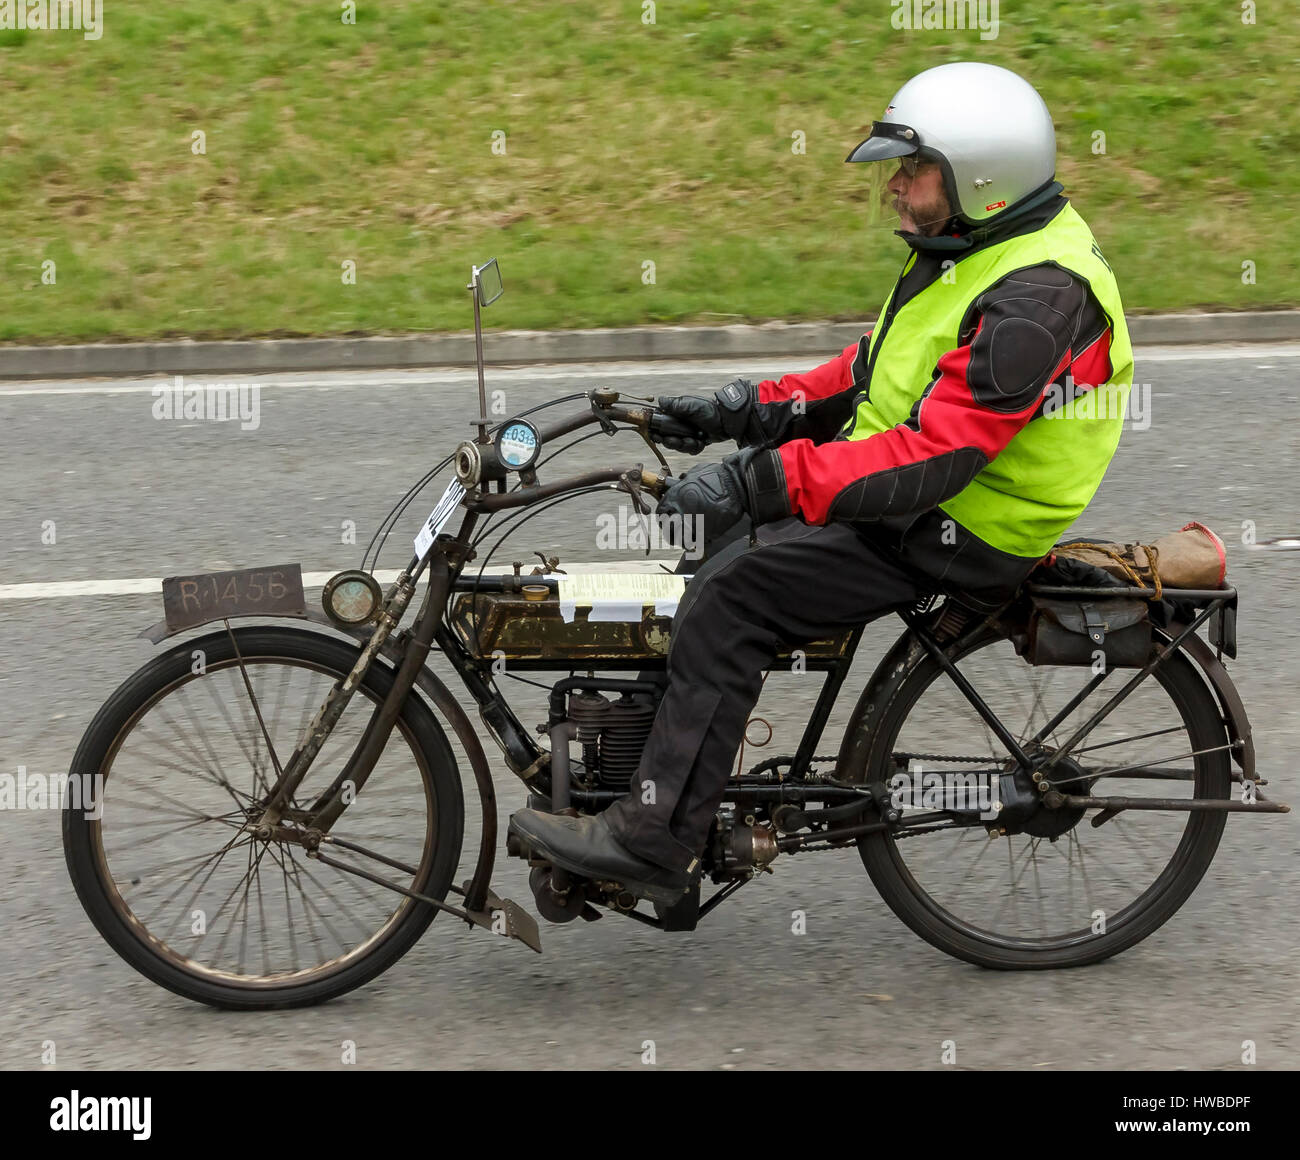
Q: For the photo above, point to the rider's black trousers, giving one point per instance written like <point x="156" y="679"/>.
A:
<point x="796" y="584"/>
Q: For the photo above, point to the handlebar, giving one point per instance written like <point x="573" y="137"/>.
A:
<point x="605" y="409"/>
<point x="635" y="477"/>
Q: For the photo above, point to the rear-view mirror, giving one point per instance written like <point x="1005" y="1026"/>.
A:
<point x="487" y="279"/>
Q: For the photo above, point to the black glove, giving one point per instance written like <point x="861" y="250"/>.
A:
<point x="731" y="414"/>
<point x="749" y="483"/>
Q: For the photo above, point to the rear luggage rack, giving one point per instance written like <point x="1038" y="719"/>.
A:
<point x="1198" y="596"/>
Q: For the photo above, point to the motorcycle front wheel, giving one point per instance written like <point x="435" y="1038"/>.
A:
<point x="167" y="868"/>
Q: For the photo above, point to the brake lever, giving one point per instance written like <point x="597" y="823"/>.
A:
<point x="632" y="483"/>
<point x="654" y="447"/>
<point x="637" y="480"/>
<point x="639" y="417"/>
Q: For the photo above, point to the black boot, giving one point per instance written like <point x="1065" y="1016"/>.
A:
<point x="585" y="846"/>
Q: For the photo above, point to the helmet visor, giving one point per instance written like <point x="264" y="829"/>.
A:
<point x="887" y="139"/>
<point x="904" y="181"/>
<point x="906" y="193"/>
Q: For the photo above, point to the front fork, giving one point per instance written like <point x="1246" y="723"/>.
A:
<point x="331" y="802"/>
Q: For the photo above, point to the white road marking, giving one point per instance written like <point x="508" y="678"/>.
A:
<point x="549" y="372"/>
<point x="60" y="589"/>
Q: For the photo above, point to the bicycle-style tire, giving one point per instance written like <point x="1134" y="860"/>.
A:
<point x="331" y="658"/>
<point x="872" y="756"/>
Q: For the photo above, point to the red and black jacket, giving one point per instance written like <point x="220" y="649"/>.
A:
<point x="1021" y="336"/>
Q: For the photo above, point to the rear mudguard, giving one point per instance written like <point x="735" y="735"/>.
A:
<point x="1234" y="711"/>
<point x="894" y="666"/>
<point x="907" y="651"/>
<point x="442" y="700"/>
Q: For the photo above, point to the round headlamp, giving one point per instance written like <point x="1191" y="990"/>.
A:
<point x="352" y="597"/>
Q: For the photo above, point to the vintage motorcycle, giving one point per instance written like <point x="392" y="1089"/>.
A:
<point x="281" y="809"/>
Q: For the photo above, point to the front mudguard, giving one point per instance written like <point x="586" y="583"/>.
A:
<point x="443" y="702"/>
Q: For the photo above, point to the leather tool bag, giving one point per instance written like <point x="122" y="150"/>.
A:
<point x="1069" y="632"/>
<point x="1192" y="557"/>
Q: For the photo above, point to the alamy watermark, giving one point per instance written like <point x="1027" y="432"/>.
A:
<point x="628" y="529"/>
<point x="917" y="15"/>
<point x="84" y="16"/>
<point x="1104" y="401"/>
<point x="209" y="402"/>
<point x="77" y="1113"/>
<point x="38" y="791"/>
<point x="945" y="790"/>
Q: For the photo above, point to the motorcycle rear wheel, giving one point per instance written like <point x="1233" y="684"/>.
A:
<point x="1073" y="894"/>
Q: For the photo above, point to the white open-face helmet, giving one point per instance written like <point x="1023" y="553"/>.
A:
<point x="987" y="128"/>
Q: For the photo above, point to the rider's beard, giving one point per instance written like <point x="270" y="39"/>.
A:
<point x="925" y="218"/>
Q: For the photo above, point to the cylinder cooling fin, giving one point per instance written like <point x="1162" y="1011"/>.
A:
<point x="612" y="733"/>
<point x="627" y="727"/>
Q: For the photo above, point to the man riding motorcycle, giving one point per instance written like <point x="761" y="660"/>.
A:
<point x="946" y="451"/>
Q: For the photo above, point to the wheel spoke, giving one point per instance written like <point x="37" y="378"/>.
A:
<point x="180" y="766"/>
<point x="174" y="827"/>
<point x="212" y="862"/>
<point x="1127" y="867"/>
<point x="214" y="768"/>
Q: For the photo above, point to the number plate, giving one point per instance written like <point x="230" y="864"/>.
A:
<point x="274" y="591"/>
<point x="438" y="517"/>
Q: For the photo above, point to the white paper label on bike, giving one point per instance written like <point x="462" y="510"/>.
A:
<point x="440" y="515"/>
<point x="619" y="596"/>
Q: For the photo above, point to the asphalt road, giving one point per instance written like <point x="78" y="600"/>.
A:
<point x="135" y="496"/>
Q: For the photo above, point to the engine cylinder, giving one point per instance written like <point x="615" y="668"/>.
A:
<point x="622" y="740"/>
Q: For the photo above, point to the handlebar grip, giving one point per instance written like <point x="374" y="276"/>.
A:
<point x="664" y="426"/>
<point x="656" y="485"/>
